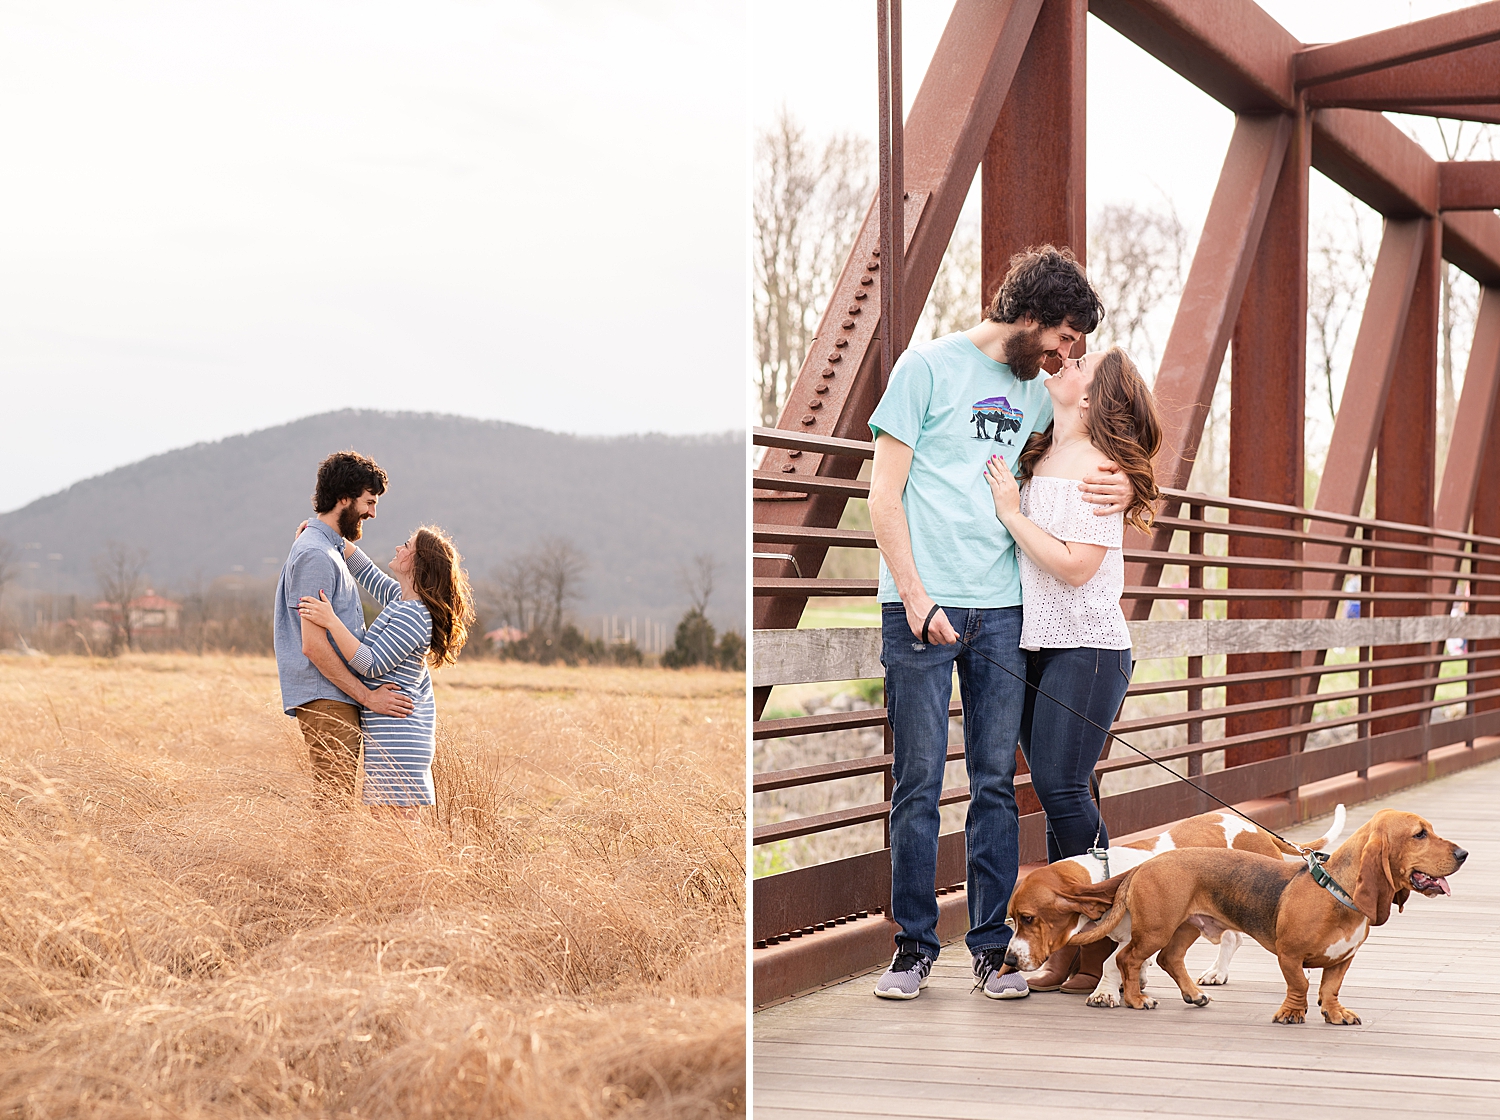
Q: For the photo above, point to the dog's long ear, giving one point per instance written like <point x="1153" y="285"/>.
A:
<point x="1091" y="907"/>
<point x="1374" y="889"/>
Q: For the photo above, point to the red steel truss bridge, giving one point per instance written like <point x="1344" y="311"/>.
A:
<point x="1268" y="583"/>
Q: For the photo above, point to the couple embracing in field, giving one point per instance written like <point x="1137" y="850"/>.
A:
<point x="355" y="690"/>
<point x="995" y="490"/>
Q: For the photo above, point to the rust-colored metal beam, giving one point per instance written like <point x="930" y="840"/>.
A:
<point x="1042" y="125"/>
<point x="1394" y="46"/>
<point x="946" y="133"/>
<point x="1362" y="407"/>
<point x="1469" y="185"/>
<point x="1266" y="421"/>
<point x="1215" y="285"/>
<point x="1476" y="410"/>
<point x="1483" y="114"/>
<point x="1404" y="475"/>
<point x="1487" y="523"/>
<point x="1375" y="161"/>
<point x="1471" y="240"/>
<point x="1209" y="306"/>
<point x="1230" y="49"/>
<point x="1465" y="77"/>
<point x="1346" y="471"/>
<point x="1043" y="113"/>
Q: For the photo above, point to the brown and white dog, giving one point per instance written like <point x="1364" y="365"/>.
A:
<point x="1162" y="906"/>
<point x="1050" y="907"/>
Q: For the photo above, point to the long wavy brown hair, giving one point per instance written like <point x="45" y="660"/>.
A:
<point x="440" y="581"/>
<point x="1123" y="424"/>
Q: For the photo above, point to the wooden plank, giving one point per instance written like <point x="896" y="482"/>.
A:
<point x="1425" y="985"/>
<point x="853" y="653"/>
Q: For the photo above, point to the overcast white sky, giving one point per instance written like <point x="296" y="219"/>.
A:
<point x="1133" y="153"/>
<point x="218" y="217"/>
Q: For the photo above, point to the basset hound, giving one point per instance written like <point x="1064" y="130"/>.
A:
<point x="1046" y="909"/>
<point x="1163" y="906"/>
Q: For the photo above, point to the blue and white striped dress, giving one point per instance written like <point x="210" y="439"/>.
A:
<point x="398" y="752"/>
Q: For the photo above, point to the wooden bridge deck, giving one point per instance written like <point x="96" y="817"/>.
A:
<point x="1427" y="985"/>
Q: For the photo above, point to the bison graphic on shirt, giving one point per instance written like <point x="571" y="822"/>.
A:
<point x="996" y="413"/>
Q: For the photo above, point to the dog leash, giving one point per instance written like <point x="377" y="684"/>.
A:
<point x="1314" y="859"/>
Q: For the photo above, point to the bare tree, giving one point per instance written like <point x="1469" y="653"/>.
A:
<point x="698" y="578"/>
<point x="955" y="302"/>
<point x="808" y="203"/>
<point x="558" y="569"/>
<point x="1459" y="299"/>
<point x="1339" y="268"/>
<point x="512" y="591"/>
<point x="1135" y="261"/>
<point x="121" y="571"/>
<point x="10" y="567"/>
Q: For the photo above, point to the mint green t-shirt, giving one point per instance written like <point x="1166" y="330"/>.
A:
<point x="955" y="407"/>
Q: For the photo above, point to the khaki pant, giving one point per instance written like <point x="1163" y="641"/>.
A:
<point x="331" y="728"/>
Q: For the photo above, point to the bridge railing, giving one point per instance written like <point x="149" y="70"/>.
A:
<point x="1411" y="611"/>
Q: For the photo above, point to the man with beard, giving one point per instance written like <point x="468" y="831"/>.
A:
<point x="948" y="569"/>
<point x="316" y="685"/>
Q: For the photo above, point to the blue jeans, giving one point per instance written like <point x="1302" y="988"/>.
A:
<point x="918" y="687"/>
<point x="1060" y="748"/>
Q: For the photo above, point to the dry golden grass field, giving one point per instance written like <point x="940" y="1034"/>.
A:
<point x="186" y="931"/>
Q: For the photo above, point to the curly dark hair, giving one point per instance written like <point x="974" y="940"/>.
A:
<point x="1050" y="285"/>
<point x="346" y="474"/>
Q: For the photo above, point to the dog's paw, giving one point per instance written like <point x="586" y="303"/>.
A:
<point x="1340" y="1016"/>
<point x="1103" y="999"/>
<point x="1212" y="977"/>
<point x="1201" y="1001"/>
<point x="1289" y="1015"/>
<point x="1146" y="1004"/>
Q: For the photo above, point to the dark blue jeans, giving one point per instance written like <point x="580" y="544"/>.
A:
<point x="918" y="688"/>
<point x="1060" y="748"/>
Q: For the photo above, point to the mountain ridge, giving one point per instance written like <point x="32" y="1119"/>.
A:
<point x="637" y="506"/>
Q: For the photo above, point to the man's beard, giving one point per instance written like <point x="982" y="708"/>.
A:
<point x="1024" y="353"/>
<point x="351" y="524"/>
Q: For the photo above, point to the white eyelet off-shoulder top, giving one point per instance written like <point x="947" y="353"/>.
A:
<point x="1056" y="615"/>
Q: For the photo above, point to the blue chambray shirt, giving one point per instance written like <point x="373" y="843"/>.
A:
<point x="315" y="563"/>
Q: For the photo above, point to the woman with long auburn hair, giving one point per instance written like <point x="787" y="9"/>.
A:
<point x="1072" y="575"/>
<point x="427" y="609"/>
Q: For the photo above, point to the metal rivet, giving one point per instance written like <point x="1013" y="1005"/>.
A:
<point x="789" y="469"/>
<point x="868" y="280"/>
<point x="835" y="357"/>
<point x="873" y="266"/>
<point x="821" y="389"/>
<point x="815" y="404"/>
<point x="829" y="372"/>
<point x="794" y="454"/>
<point x="862" y="295"/>
<point x="874" y="252"/>
<point x="841" y="343"/>
<point x="848" y="324"/>
<point x="796" y="933"/>
<point x="855" y="309"/>
<point x="809" y="418"/>
<point x="760" y="944"/>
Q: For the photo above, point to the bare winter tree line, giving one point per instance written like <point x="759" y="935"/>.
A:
<point x="525" y="600"/>
<point x="811" y="196"/>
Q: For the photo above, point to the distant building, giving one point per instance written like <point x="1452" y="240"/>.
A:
<point x="150" y="614"/>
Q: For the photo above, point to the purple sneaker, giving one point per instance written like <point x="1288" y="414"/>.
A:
<point x="987" y="975"/>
